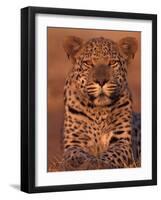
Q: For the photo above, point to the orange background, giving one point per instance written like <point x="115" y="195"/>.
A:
<point x="58" y="68"/>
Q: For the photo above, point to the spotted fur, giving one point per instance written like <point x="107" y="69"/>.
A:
<point x="100" y="128"/>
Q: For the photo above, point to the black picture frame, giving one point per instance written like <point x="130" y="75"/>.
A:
<point x="28" y="98"/>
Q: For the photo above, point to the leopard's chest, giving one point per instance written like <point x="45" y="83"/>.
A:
<point x="101" y="135"/>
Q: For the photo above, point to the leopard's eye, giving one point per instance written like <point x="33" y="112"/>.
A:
<point x="113" y="62"/>
<point x="88" y="62"/>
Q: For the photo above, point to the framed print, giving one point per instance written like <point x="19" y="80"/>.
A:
<point x="88" y="99"/>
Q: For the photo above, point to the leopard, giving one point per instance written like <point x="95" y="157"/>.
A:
<point x="101" y="130"/>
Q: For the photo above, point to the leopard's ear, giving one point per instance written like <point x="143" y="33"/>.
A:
<point x="71" y="46"/>
<point x="128" y="47"/>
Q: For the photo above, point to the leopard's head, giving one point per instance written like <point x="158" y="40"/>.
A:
<point x="101" y="66"/>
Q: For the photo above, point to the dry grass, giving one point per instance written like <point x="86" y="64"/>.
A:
<point x="55" y="165"/>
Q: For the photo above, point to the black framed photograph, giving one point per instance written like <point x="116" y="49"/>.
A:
<point x="88" y="99"/>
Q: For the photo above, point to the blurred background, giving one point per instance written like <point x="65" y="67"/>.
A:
<point x="58" y="68"/>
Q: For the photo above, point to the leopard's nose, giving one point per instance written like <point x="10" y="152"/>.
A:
<point x="101" y="82"/>
<point x="101" y="74"/>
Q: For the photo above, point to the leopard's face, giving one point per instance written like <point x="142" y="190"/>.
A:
<point x="102" y="70"/>
<point x="100" y="67"/>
